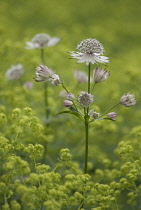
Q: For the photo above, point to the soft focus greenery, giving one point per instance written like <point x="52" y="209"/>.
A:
<point x="41" y="167"/>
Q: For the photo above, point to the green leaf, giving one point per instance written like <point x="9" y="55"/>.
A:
<point x="77" y="114"/>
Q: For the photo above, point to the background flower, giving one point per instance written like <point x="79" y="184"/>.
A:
<point x="41" y="41"/>
<point x="15" y="72"/>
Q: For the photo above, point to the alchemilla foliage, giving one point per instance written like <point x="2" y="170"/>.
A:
<point x="30" y="177"/>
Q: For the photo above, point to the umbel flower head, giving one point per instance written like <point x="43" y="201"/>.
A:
<point x="43" y="73"/>
<point x="90" y="51"/>
<point x="128" y="100"/>
<point x="100" y="75"/>
<point x="42" y="40"/>
<point x="15" y="72"/>
<point x="85" y="99"/>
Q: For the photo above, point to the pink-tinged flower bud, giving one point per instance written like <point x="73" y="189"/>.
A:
<point x="100" y="75"/>
<point x="85" y="99"/>
<point x="43" y="73"/>
<point x="128" y="100"/>
<point x="112" y="115"/>
<point x="68" y="103"/>
<point x="55" y="80"/>
<point x="15" y="72"/>
<point x="70" y="96"/>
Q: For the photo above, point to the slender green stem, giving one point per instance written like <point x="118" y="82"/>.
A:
<point x="86" y="111"/>
<point x="42" y="56"/>
<point x="86" y="143"/>
<point x="89" y="77"/>
<point x="93" y="88"/>
<point x="108" y="110"/>
<point x="45" y="85"/>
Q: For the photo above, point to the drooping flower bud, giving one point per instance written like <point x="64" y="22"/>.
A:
<point x="112" y="115"/>
<point x="68" y="103"/>
<point x="43" y="73"/>
<point x="100" y="75"/>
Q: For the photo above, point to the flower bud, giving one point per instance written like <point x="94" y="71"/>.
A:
<point x="100" y="75"/>
<point x="112" y="115"/>
<point x="68" y="103"/>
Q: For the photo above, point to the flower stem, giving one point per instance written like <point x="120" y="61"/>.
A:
<point x="86" y="111"/>
<point x="86" y="143"/>
<point x="108" y="110"/>
<point x="45" y="85"/>
<point x="89" y="77"/>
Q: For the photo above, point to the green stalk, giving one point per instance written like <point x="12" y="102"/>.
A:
<point x="86" y="111"/>
<point x="45" y="85"/>
<point x="109" y="110"/>
<point x="86" y="143"/>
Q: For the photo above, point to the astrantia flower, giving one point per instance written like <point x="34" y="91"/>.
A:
<point x="85" y="99"/>
<point x="55" y="80"/>
<point x="68" y="103"/>
<point x="128" y="100"/>
<point x="100" y="75"/>
<point x="15" y="72"/>
<point x="42" y="40"/>
<point x="112" y="115"/>
<point x="90" y="51"/>
<point x="43" y="73"/>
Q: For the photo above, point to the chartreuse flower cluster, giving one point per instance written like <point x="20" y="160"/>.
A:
<point x="89" y="51"/>
<point x="27" y="183"/>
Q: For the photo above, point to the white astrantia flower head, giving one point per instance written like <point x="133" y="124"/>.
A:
<point x="90" y="51"/>
<point x="42" y="40"/>
<point x="85" y="99"/>
<point x="55" y="80"/>
<point x="100" y="75"/>
<point x="112" y="115"/>
<point x="128" y="100"/>
<point x="14" y="72"/>
<point x="43" y="73"/>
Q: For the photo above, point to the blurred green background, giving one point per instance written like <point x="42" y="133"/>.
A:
<point x="116" y="24"/>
